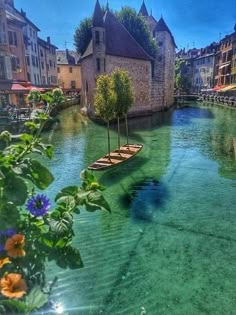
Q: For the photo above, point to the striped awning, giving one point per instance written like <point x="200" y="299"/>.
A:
<point x="228" y="87"/>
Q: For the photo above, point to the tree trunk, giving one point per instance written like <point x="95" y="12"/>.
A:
<point x="108" y="140"/>
<point x="127" y="129"/>
<point x="118" y="127"/>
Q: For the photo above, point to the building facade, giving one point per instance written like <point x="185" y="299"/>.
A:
<point x="112" y="46"/>
<point x="47" y="62"/>
<point x="69" y="71"/>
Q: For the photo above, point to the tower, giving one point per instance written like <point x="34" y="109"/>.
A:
<point x="98" y="40"/>
<point x="165" y="62"/>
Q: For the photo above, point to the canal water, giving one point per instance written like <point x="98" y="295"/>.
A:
<point x="169" y="245"/>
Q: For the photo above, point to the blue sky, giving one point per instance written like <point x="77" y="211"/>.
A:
<point x="193" y="23"/>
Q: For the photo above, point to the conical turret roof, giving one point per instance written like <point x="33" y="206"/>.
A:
<point x="162" y="27"/>
<point x="143" y="10"/>
<point x="97" y="15"/>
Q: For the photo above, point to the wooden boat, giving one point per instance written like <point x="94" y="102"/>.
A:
<point x="117" y="157"/>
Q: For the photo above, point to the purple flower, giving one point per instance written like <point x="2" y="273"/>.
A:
<point x="38" y="205"/>
<point x="9" y="232"/>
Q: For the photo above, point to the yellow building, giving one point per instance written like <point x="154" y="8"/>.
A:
<point x="68" y="71"/>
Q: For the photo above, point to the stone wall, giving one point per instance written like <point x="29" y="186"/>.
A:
<point x="88" y="82"/>
<point x="165" y="66"/>
<point x="140" y="74"/>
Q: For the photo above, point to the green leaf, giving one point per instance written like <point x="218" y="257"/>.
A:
<point x="36" y="299"/>
<point x="27" y="138"/>
<point x="8" y="221"/>
<point x="63" y="225"/>
<point x="49" y="151"/>
<point x="14" y="306"/>
<point x="96" y="201"/>
<point x="62" y="242"/>
<point x="69" y="257"/>
<point x="67" y="191"/>
<point x="68" y="202"/>
<point x="47" y="242"/>
<point x="15" y="189"/>
<point x="39" y="174"/>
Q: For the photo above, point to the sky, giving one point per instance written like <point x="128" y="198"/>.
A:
<point x="193" y="23"/>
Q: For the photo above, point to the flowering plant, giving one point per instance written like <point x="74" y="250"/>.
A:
<point x="34" y="231"/>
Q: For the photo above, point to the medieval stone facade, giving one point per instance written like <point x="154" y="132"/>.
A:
<point x="112" y="46"/>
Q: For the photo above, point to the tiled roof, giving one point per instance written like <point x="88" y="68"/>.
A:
<point x="151" y="21"/>
<point x="89" y="50"/>
<point x="119" y="42"/>
<point x="97" y="15"/>
<point x="45" y="43"/>
<point x="67" y="57"/>
<point x="162" y="27"/>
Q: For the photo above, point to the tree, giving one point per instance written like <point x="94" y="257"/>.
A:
<point x="34" y="96"/>
<point x="83" y="35"/>
<point x="182" y="75"/>
<point x="55" y="97"/>
<point x="124" y="97"/>
<point x="138" y="28"/>
<point x="105" y="99"/>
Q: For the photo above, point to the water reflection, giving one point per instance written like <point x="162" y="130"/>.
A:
<point x="172" y="213"/>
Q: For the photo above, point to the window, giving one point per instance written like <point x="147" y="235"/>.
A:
<point x="87" y="87"/>
<point x="73" y="84"/>
<point x="43" y="80"/>
<point x="98" y="64"/>
<point x="3" y="37"/>
<point x="28" y="76"/>
<point x="15" y="64"/>
<point x="50" y="63"/>
<point x="97" y="37"/>
<point x="2" y="69"/>
<point x="12" y="38"/>
<point x="70" y="69"/>
<point x="42" y="64"/>
<point x="35" y="48"/>
<point x="41" y="53"/>
<point x="35" y="80"/>
<point x="33" y="60"/>
<point x="58" y="69"/>
<point x="28" y="60"/>
<point x="36" y="61"/>
<point x="38" y="78"/>
<point x="30" y="31"/>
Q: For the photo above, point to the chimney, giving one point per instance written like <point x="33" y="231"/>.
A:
<point x="23" y="13"/>
<point x="48" y="40"/>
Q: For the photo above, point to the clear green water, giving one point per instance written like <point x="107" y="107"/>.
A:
<point x="169" y="246"/>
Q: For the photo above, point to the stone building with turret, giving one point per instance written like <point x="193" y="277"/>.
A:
<point x="112" y="46"/>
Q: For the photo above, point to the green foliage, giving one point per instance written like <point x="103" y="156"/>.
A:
<point x="34" y="96"/>
<point x="123" y="90"/>
<point x="47" y="235"/>
<point x="54" y="98"/>
<point x="182" y="78"/>
<point x="105" y="97"/>
<point x="83" y="35"/>
<point x="138" y="28"/>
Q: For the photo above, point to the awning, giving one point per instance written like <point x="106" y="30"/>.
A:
<point x="218" y="87"/>
<point x="16" y="87"/>
<point x="225" y="65"/>
<point x="227" y="88"/>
